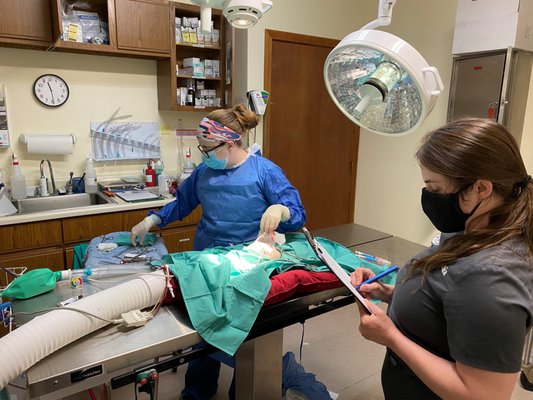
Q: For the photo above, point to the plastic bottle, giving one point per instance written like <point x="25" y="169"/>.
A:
<point x="161" y="178"/>
<point x="150" y="178"/>
<point x="90" y="176"/>
<point x="18" y="181"/>
<point x="188" y="165"/>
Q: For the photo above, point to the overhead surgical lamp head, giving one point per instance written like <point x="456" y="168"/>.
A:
<point x="379" y="81"/>
<point x="244" y="14"/>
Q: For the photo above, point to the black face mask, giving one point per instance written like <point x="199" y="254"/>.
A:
<point x="444" y="212"/>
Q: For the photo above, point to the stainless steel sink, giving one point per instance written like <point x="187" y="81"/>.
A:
<point x="38" y="204"/>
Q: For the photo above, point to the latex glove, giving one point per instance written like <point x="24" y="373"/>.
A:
<point x="273" y="215"/>
<point x="140" y="230"/>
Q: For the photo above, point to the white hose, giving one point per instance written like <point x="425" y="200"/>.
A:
<point x="43" y="335"/>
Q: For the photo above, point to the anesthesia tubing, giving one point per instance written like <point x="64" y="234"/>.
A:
<point x="43" y="335"/>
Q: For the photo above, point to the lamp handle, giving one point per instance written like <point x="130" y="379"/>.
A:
<point x="433" y="71"/>
<point x="267" y="5"/>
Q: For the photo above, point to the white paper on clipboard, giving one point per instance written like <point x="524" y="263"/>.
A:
<point x="137" y="195"/>
<point x="326" y="258"/>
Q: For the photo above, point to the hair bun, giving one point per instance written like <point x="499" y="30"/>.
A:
<point x="246" y="118"/>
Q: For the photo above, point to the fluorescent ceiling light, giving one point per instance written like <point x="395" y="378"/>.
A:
<point x="379" y="81"/>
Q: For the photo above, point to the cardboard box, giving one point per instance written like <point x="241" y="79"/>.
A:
<point x="191" y="61"/>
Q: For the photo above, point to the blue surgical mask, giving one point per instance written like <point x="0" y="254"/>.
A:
<point x="214" y="163"/>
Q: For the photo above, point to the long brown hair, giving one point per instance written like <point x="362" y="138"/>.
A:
<point x="472" y="149"/>
<point x="238" y="118"/>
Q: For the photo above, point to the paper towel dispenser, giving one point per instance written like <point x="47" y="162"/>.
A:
<point x="49" y="143"/>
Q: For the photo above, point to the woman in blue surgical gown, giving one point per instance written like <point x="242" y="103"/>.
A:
<point x="241" y="195"/>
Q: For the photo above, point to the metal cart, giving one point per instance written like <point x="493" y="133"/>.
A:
<point x="526" y="377"/>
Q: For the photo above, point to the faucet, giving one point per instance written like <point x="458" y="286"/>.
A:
<point x="51" y="175"/>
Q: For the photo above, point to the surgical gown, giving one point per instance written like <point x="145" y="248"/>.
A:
<point x="233" y="202"/>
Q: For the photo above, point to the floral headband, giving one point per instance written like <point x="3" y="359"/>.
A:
<point x="214" y="131"/>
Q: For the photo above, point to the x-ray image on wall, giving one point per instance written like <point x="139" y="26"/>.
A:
<point x="125" y="140"/>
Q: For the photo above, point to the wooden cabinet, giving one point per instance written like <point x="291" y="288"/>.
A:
<point x="170" y="75"/>
<point x="30" y="236"/>
<point x="133" y="28"/>
<point x="179" y="239"/>
<point x="25" y="23"/>
<point x="50" y="243"/>
<point x="138" y="28"/>
<point x="143" y="25"/>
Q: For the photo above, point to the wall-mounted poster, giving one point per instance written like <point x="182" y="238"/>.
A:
<point x="125" y="140"/>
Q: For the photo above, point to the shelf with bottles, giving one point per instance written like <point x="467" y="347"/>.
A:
<point x="197" y="95"/>
<point x="187" y="30"/>
<point x="175" y="73"/>
<point x="180" y="46"/>
<point x="203" y="78"/>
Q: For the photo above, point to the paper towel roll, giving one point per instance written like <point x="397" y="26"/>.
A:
<point x="49" y="144"/>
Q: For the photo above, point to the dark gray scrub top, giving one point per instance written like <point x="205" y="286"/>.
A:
<point x="476" y="311"/>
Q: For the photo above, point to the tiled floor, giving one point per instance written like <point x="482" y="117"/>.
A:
<point x="333" y="350"/>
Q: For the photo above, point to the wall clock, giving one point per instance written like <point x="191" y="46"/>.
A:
<point x="51" y="90"/>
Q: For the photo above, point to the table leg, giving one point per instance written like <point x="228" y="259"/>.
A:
<point x="258" y="367"/>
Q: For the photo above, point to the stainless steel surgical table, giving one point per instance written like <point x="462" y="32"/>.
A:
<point x="115" y="354"/>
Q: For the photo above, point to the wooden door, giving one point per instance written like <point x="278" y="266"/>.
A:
<point x="305" y="133"/>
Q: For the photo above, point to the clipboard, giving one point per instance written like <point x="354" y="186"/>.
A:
<point x="330" y="262"/>
<point x="138" y="195"/>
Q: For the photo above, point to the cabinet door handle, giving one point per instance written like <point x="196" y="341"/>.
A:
<point x="184" y="240"/>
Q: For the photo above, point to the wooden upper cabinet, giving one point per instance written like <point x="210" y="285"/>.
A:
<point x="133" y="28"/>
<point x="25" y="23"/>
<point x="143" y="25"/>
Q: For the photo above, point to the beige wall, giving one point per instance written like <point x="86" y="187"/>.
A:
<point x="388" y="181"/>
<point x="98" y="86"/>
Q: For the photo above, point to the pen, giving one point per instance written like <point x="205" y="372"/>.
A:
<point x="378" y="276"/>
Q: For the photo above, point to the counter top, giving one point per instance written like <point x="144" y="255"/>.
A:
<point x="117" y="206"/>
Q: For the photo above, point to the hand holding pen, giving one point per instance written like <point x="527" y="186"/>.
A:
<point x="377" y="292"/>
<point x="378" y="276"/>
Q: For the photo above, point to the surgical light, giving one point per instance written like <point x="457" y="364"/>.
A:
<point x="242" y="14"/>
<point x="379" y="81"/>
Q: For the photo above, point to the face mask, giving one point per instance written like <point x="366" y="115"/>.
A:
<point x="444" y="212"/>
<point x="214" y="163"/>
